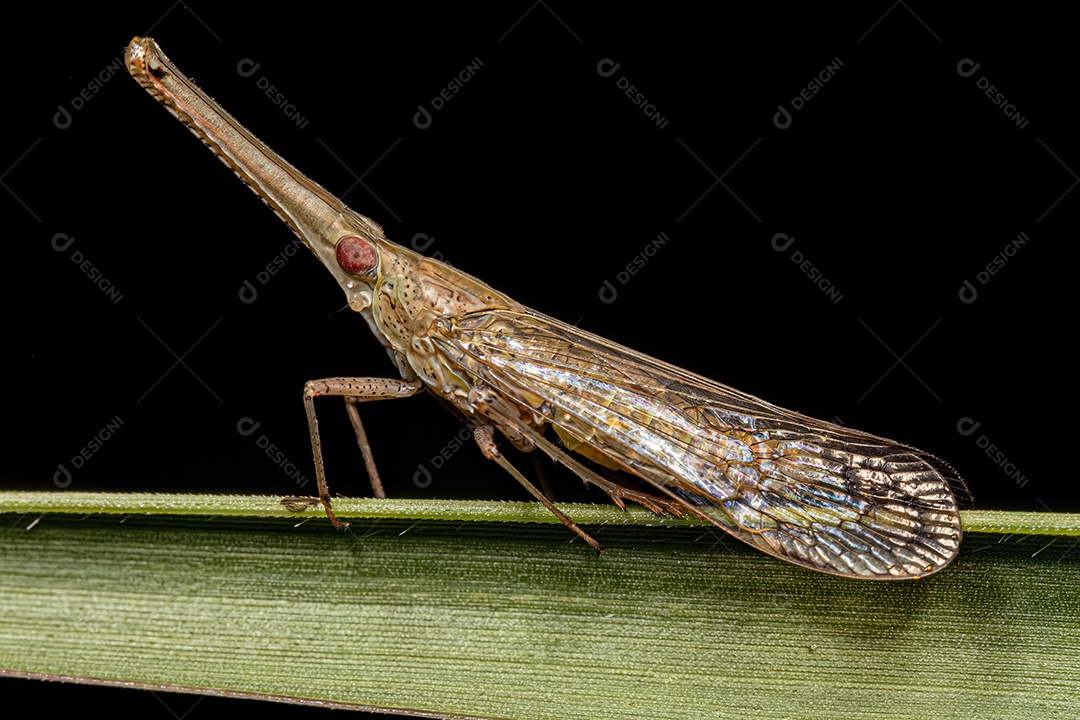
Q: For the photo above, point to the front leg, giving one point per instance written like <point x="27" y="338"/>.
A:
<point x="355" y="390"/>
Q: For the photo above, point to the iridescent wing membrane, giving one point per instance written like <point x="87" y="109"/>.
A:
<point x="807" y="491"/>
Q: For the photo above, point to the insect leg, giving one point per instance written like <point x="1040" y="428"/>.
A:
<point x="354" y="389"/>
<point x="484" y="438"/>
<point x="657" y="504"/>
<point x="365" y="446"/>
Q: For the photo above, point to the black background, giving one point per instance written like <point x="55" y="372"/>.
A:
<point x="899" y="180"/>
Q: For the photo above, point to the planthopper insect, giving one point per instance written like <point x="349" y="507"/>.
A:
<point x="810" y="492"/>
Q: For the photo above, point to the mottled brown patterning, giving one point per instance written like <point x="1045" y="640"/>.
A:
<point x="807" y="491"/>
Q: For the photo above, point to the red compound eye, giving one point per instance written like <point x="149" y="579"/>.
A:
<point x="356" y="256"/>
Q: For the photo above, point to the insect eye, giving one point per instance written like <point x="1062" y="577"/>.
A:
<point x="356" y="256"/>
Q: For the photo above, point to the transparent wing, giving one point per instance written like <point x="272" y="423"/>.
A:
<point x="810" y="492"/>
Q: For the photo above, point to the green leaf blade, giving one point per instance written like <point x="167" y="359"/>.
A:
<point x="519" y="619"/>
